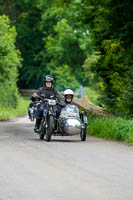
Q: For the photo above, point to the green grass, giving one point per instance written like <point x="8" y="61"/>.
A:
<point x="117" y="129"/>
<point x="9" y="113"/>
<point x="92" y="95"/>
<point x="112" y="128"/>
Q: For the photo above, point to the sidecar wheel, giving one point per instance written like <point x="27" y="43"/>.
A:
<point x="49" y="130"/>
<point x="83" y="134"/>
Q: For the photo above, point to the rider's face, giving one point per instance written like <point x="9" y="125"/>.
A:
<point x="48" y="84"/>
<point x="68" y="98"/>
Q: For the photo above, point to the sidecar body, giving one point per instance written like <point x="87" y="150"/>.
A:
<point x="70" y="122"/>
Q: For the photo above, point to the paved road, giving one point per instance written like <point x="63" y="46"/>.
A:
<point x="63" y="169"/>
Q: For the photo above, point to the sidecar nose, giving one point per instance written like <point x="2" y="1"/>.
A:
<point x="71" y="126"/>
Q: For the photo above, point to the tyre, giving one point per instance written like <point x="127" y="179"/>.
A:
<point x="31" y="114"/>
<point x="32" y="117"/>
<point x="42" y="133"/>
<point x="41" y="136"/>
<point x="83" y="134"/>
<point x="49" y="130"/>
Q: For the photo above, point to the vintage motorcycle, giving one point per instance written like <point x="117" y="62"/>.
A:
<point x="32" y="110"/>
<point x="70" y="122"/>
<point x="49" y="119"/>
<point x="32" y="113"/>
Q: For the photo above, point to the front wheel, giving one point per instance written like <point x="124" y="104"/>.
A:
<point x="50" y="128"/>
<point x="42" y="132"/>
<point x="83" y="134"/>
<point x="32" y="117"/>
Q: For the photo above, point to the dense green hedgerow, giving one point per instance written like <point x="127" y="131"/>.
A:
<point x="117" y="129"/>
<point x="10" y="61"/>
<point x="9" y="112"/>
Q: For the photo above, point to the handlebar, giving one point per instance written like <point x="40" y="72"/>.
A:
<point x="43" y="99"/>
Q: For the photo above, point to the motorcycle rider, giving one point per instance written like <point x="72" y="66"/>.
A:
<point x="68" y="95"/>
<point x="48" y="91"/>
<point x="33" y="99"/>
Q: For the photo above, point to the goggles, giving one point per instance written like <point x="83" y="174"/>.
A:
<point x="69" y="96"/>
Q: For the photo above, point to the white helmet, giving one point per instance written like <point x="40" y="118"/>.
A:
<point x="68" y="92"/>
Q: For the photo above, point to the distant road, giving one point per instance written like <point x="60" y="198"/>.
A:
<point x="63" y="169"/>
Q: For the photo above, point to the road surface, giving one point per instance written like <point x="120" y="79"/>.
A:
<point x="63" y="169"/>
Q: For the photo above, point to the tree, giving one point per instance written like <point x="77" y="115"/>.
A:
<point x="10" y="60"/>
<point x="65" y="78"/>
<point x="68" y="41"/>
<point x="111" y="24"/>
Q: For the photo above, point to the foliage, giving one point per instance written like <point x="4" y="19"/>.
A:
<point x="9" y="63"/>
<point x="67" y="41"/>
<point x="64" y="78"/>
<point x="92" y="95"/>
<point x="111" y="24"/>
<point x="8" y="112"/>
<point x="30" y="43"/>
<point x="93" y="39"/>
<point x="113" y="128"/>
<point x="50" y="35"/>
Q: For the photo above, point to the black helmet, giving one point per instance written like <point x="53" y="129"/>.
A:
<point x="48" y="78"/>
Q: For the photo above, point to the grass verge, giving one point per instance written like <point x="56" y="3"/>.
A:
<point x="9" y="113"/>
<point x="117" y="129"/>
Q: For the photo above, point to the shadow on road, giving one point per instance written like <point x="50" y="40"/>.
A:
<point x="64" y="140"/>
<point x="56" y="140"/>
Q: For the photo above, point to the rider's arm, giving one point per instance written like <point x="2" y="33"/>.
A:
<point x="39" y="92"/>
<point x="57" y="96"/>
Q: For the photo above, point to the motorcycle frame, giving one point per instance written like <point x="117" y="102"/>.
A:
<point x="48" y="111"/>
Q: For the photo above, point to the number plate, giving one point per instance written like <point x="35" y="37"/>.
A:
<point x="52" y="102"/>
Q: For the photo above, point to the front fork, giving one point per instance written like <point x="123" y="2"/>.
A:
<point x="45" y="118"/>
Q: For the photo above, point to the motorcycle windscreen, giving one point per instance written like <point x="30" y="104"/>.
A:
<point x="70" y="111"/>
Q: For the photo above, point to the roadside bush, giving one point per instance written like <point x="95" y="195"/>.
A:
<point x="10" y="60"/>
<point x="8" y="95"/>
<point x="8" y="112"/>
<point x="113" y="128"/>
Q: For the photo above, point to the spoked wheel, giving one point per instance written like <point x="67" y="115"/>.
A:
<point x="50" y="128"/>
<point x="83" y="134"/>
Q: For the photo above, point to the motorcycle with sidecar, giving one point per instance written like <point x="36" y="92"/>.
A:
<point x="70" y="122"/>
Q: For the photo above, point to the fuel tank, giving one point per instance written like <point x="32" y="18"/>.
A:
<point x="71" y="126"/>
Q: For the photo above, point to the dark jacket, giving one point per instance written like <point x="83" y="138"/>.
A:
<point x="49" y="93"/>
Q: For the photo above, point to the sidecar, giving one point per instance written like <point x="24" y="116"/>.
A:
<point x="71" y="122"/>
